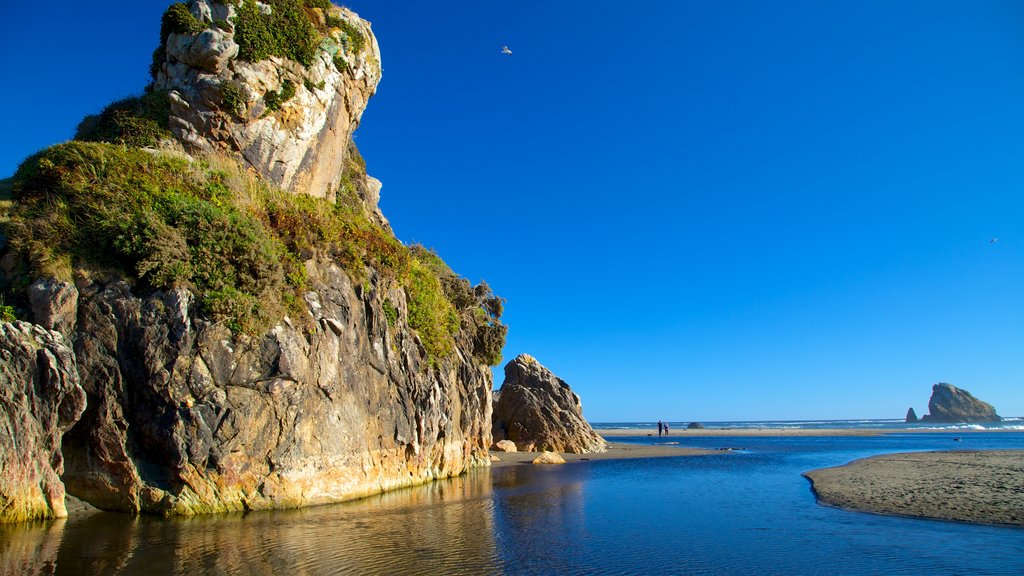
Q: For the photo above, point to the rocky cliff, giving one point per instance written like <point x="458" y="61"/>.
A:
<point x="243" y="344"/>
<point x="40" y="399"/>
<point x="538" y="411"/>
<point x="287" y="105"/>
<point x="951" y="404"/>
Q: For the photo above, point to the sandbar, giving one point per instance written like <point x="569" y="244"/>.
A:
<point x="968" y="486"/>
<point x="616" y="451"/>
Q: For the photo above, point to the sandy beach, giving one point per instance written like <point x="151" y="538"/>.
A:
<point x="968" y="486"/>
<point x="705" y="432"/>
<point x="616" y="451"/>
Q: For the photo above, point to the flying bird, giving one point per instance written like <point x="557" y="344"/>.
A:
<point x="505" y="50"/>
<point x="993" y="241"/>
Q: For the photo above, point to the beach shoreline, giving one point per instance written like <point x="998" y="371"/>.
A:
<point x="779" y="432"/>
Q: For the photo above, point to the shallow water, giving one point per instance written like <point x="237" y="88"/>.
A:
<point x="745" y="512"/>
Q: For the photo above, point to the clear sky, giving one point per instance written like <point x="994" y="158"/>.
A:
<point x="697" y="210"/>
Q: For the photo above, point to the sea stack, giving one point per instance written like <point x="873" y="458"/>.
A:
<point x="537" y="408"/>
<point x="950" y="404"/>
<point x="227" y="303"/>
<point x="911" y="416"/>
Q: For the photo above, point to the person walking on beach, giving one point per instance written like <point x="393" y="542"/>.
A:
<point x="665" y="426"/>
<point x="660" y="428"/>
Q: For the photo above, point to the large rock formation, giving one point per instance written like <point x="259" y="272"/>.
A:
<point x="950" y="404"/>
<point x="183" y="417"/>
<point x="40" y="399"/>
<point x="538" y="411"/>
<point x="340" y="400"/>
<point x="291" y="121"/>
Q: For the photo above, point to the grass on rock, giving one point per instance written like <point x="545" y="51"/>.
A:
<point x="166" y="220"/>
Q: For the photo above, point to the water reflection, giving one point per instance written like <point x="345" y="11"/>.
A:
<point x="443" y="528"/>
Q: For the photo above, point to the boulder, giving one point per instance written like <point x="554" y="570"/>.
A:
<point x="694" y="426"/>
<point x="547" y="457"/>
<point x="911" y="416"/>
<point x="536" y="408"/>
<point x="950" y="404"/>
<point x="41" y="398"/>
<point x="505" y="446"/>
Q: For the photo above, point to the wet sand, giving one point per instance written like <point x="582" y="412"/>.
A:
<point x="616" y="451"/>
<point x="968" y="486"/>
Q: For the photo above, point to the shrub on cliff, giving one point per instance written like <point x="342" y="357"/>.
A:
<point x="134" y="121"/>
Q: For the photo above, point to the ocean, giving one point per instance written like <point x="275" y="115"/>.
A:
<point x="747" y="511"/>
<point x="891" y="424"/>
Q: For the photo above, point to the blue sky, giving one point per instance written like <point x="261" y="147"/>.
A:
<point x="696" y="210"/>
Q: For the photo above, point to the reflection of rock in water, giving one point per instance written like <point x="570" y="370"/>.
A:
<point x="540" y="502"/>
<point x="29" y="547"/>
<point x="440" y="528"/>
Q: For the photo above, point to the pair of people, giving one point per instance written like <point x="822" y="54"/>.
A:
<point x="662" y="428"/>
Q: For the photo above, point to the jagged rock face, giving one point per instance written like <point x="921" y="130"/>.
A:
<point x="41" y="399"/>
<point x="538" y="411"/>
<point x="184" y="418"/>
<point x="951" y="404"/>
<point x="911" y="416"/>
<point x="303" y="146"/>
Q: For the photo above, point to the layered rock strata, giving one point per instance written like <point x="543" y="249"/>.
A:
<point x="950" y="404"/>
<point x="40" y="399"/>
<point x="538" y="411"/>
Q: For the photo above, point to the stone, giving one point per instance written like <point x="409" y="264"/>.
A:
<point x="505" y="446"/>
<point x="950" y="404"/>
<point x="694" y="426"/>
<point x="495" y="458"/>
<point x="186" y="418"/>
<point x="548" y="457"/>
<point x="41" y="399"/>
<point x="911" y="416"/>
<point x="538" y="411"/>
<point x="54" y="305"/>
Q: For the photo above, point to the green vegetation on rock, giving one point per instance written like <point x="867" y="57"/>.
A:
<point x="163" y="220"/>
<point x="134" y="121"/>
<point x="178" y="20"/>
<point x="287" y="31"/>
<point x="231" y="99"/>
<point x="275" y="99"/>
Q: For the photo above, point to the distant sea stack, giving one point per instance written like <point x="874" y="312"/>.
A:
<point x="537" y="408"/>
<point x="911" y="416"/>
<point x="950" y="404"/>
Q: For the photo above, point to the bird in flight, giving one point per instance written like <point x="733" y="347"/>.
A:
<point x="505" y="50"/>
<point x="993" y="241"/>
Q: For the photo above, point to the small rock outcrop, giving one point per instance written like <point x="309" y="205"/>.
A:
<point x="40" y="398"/>
<point x="536" y="408"/>
<point x="505" y="446"/>
<point x="911" y="416"/>
<point x="694" y="426"/>
<point x="950" y="404"/>
<point x="549" y="458"/>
